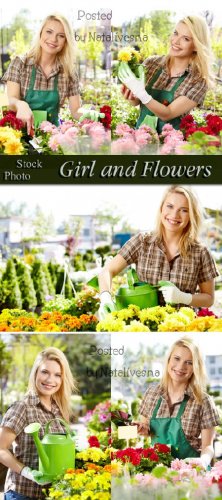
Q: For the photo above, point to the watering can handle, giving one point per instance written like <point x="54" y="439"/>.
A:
<point x="62" y="422"/>
<point x="132" y="277"/>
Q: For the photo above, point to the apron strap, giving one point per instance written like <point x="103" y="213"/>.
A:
<point x="155" y="77"/>
<point x="177" y="84"/>
<point x="32" y="80"/>
<point x="156" y="408"/>
<point x="56" y="82"/>
<point x="158" y="73"/>
<point x="182" y="408"/>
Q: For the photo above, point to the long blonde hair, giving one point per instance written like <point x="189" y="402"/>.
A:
<point x="67" y="55"/>
<point x="197" y="381"/>
<point x="201" y="59"/>
<point x="68" y="385"/>
<point x="191" y="231"/>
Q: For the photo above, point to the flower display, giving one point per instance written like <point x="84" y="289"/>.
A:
<point x="72" y="137"/>
<point x="99" y="419"/>
<point x="144" y="459"/>
<point x="83" y="484"/>
<point x="46" y="322"/>
<point x="211" y="125"/>
<point x="159" y="318"/>
<point x="132" y="141"/>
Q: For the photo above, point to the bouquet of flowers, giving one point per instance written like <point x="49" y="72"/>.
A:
<point x="131" y="57"/>
<point x="11" y="134"/>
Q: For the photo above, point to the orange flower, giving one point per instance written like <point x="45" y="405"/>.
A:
<point x="91" y="466"/>
<point x="108" y="468"/>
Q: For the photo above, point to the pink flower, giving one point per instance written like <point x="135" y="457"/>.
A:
<point x="70" y="134"/>
<point x="123" y="129"/>
<point x="124" y="145"/>
<point x="55" y="141"/>
<point x="65" y="126"/>
<point x="47" y="127"/>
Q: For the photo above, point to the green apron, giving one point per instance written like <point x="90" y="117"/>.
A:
<point x="160" y="96"/>
<point x="46" y="102"/>
<point x="168" y="430"/>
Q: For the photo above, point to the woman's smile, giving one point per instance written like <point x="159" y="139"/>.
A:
<point x="175" y="212"/>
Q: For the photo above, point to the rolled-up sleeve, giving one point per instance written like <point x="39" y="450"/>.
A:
<point x="131" y="249"/>
<point x="15" y="418"/>
<point x="208" y="269"/>
<point x="210" y="417"/>
<point x="13" y="73"/>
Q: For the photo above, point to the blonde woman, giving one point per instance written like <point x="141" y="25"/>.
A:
<point x="49" y="391"/>
<point x="178" y="411"/>
<point x="42" y="79"/>
<point x="176" y="83"/>
<point x="171" y="253"/>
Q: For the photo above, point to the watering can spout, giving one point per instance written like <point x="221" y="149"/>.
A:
<point x="34" y="430"/>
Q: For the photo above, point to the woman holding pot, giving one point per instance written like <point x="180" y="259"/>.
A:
<point x="170" y="253"/>
<point x="39" y="82"/>
<point x="49" y="391"/>
<point x="178" y="411"/>
<point x="176" y="83"/>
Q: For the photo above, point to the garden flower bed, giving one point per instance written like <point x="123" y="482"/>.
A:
<point x="178" y="480"/>
<point x="132" y="319"/>
<point x="160" y="319"/>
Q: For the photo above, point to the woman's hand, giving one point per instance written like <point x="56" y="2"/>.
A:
<point x="128" y="95"/>
<point x="25" y="114"/>
<point x="172" y="295"/>
<point x="142" y="428"/>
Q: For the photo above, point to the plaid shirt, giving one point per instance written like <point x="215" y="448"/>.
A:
<point x="193" y="86"/>
<point x="20" y="70"/>
<point x="152" y="263"/>
<point x="20" y="414"/>
<point x="196" y="416"/>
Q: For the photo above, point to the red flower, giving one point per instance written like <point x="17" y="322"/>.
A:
<point x="214" y="123"/>
<point x="161" y="448"/>
<point x="9" y="119"/>
<point x="93" y="442"/>
<point x="106" y="121"/>
<point x="204" y="311"/>
<point x="154" y="457"/>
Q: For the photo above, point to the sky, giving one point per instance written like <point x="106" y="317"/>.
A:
<point x="119" y="12"/>
<point x="137" y="204"/>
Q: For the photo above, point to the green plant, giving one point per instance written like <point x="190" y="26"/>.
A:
<point x="40" y="282"/>
<point x="122" y="110"/>
<point x="10" y="295"/>
<point x="26" y="285"/>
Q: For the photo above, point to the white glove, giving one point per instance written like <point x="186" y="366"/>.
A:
<point x="106" y="305"/>
<point x="91" y="114"/>
<point x="205" y="460"/>
<point x="33" y="475"/>
<point x="173" y="295"/>
<point x="136" y="85"/>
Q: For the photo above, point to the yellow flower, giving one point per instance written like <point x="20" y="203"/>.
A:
<point x="116" y="468"/>
<point x="125" y="54"/>
<point x="14" y="147"/>
<point x="136" y="326"/>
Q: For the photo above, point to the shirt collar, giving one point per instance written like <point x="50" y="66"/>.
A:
<point x="58" y="65"/>
<point x="32" y="399"/>
<point x="188" y="393"/>
<point x="165" y="69"/>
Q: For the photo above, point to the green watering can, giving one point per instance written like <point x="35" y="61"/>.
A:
<point x="56" y="451"/>
<point x="136" y="292"/>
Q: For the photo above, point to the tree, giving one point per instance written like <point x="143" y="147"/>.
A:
<point x="106" y="219"/>
<point x="40" y="282"/>
<point x="43" y="225"/>
<point x="5" y="365"/>
<point x="18" y="46"/>
<point x="92" y="50"/>
<point x="26" y="285"/>
<point x="10" y="295"/>
<point x="9" y="209"/>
